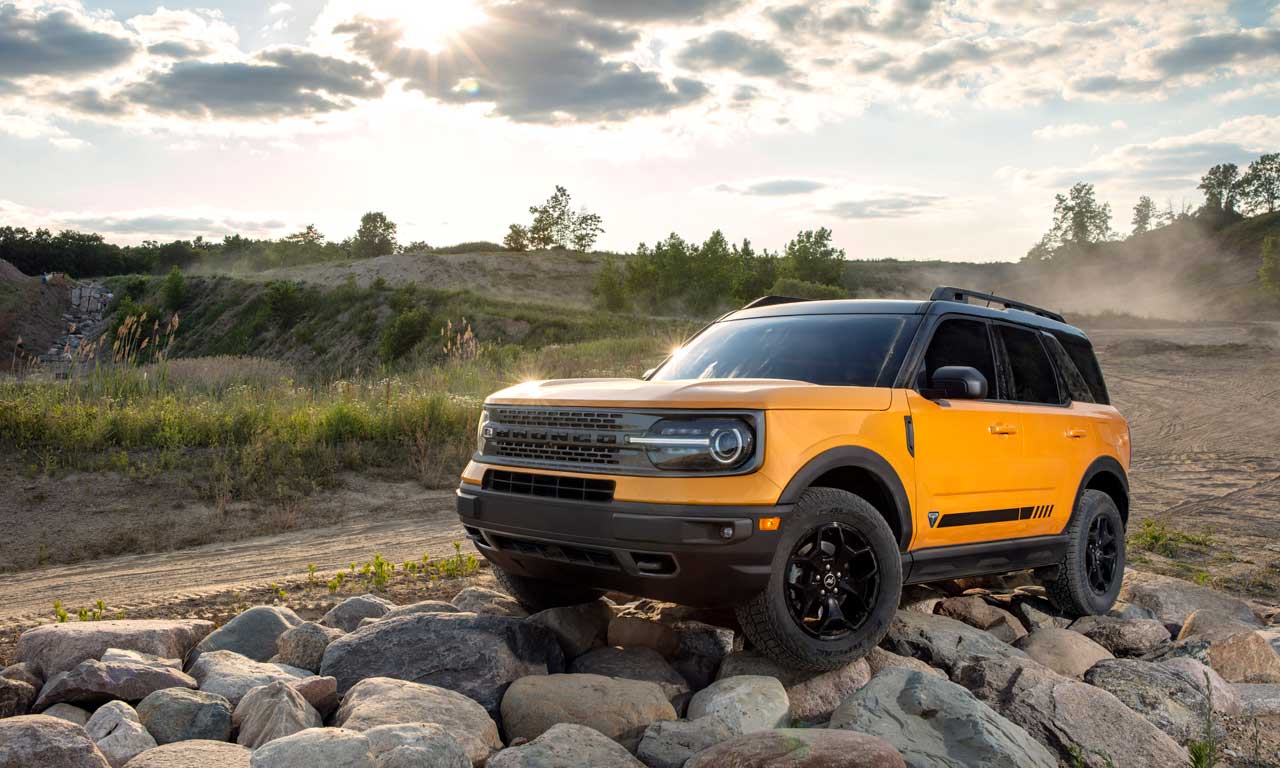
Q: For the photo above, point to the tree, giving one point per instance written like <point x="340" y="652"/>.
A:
<point x="375" y="237"/>
<point x="1145" y="217"/>
<point x="1078" y="220"/>
<point x="1221" y="186"/>
<point x="175" y="290"/>
<point x="811" y="257"/>
<point x="556" y="225"/>
<point x="586" y="230"/>
<point x="308" y="236"/>
<point x="517" y="238"/>
<point x="1260" y="186"/>
<point x="610" y="288"/>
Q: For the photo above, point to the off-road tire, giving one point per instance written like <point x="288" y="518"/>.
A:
<point x="538" y="595"/>
<point x="1070" y="590"/>
<point x="766" y="620"/>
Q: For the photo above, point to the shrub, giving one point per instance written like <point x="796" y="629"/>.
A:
<point x="175" y="290"/>
<point x="403" y="334"/>
<point x="285" y="302"/>
<point x="610" y="287"/>
<point x="803" y="289"/>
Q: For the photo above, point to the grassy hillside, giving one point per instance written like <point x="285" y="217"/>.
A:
<point x="29" y="310"/>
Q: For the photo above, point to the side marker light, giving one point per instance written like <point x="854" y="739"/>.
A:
<point x="770" y="523"/>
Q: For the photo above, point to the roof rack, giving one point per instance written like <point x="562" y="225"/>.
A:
<point x="962" y="295"/>
<point x="769" y="301"/>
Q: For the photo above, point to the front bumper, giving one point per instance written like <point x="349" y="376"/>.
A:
<point x="700" y="555"/>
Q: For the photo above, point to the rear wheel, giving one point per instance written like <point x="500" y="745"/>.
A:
<point x="538" y="595"/>
<point x="834" y="586"/>
<point x="1092" y="569"/>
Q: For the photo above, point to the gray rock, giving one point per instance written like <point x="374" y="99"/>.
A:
<point x="416" y="744"/>
<point x="879" y="660"/>
<point x="1207" y="682"/>
<point x="320" y="692"/>
<point x="68" y="712"/>
<point x="1173" y="600"/>
<point x="383" y="701"/>
<point x="1212" y="624"/>
<point x="746" y="703"/>
<point x="978" y="613"/>
<point x="620" y="709"/>
<point x="23" y="672"/>
<point x="813" y="695"/>
<point x="800" y="748"/>
<point x="54" y="648"/>
<point x="347" y="614"/>
<point x="231" y="675"/>
<point x="28" y="741"/>
<point x="1038" y="613"/>
<point x="178" y="714"/>
<point x="118" y="734"/>
<point x="942" y="642"/>
<point x="934" y="722"/>
<point x="635" y="664"/>
<point x="1164" y="697"/>
<point x="1065" y="652"/>
<point x="670" y="743"/>
<point x="474" y="655"/>
<point x="194" y="754"/>
<point x="137" y="657"/>
<point x="1124" y="637"/>
<point x="251" y="634"/>
<point x="565" y="745"/>
<point x="1258" y="699"/>
<point x="700" y="649"/>
<point x="1129" y="611"/>
<point x="579" y="628"/>
<point x="271" y="712"/>
<point x="303" y="646"/>
<point x="488" y="602"/>
<point x="328" y="747"/>
<point x="425" y="606"/>
<point x="1245" y="657"/>
<point x="16" y="697"/>
<point x="635" y="632"/>
<point x="1068" y="716"/>
<point x="94" y="682"/>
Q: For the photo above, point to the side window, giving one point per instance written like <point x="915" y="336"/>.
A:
<point x="962" y="342"/>
<point x="1081" y="352"/>
<point x="1069" y="375"/>
<point x="1034" y="380"/>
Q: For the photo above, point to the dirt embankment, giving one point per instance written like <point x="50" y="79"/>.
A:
<point x="31" y="311"/>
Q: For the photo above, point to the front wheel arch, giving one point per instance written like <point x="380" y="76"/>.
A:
<point x="850" y="468"/>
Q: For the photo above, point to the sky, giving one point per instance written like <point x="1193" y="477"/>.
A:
<point x="912" y="129"/>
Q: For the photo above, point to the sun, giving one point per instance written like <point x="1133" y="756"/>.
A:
<point x="431" y="25"/>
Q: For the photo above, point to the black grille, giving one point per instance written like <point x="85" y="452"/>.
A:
<point x="577" y="454"/>
<point x="550" y="486"/>
<point x="568" y="553"/>
<point x="529" y="417"/>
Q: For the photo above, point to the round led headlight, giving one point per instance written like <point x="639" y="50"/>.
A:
<point x="728" y="445"/>
<point x="696" y="444"/>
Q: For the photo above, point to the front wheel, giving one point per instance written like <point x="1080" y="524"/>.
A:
<point x="1090" y="574"/>
<point x="834" y="586"/>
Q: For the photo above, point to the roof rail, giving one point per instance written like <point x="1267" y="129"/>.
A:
<point x="769" y="301"/>
<point x="962" y="295"/>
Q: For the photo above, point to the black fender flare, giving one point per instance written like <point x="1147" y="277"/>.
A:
<point x="1103" y="465"/>
<point x="861" y="458"/>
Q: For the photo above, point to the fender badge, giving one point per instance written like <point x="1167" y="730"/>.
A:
<point x="933" y="518"/>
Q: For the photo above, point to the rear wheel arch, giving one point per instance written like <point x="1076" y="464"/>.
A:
<point x="1107" y="475"/>
<point x="864" y="473"/>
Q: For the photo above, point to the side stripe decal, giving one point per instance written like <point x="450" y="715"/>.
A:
<point x="984" y="516"/>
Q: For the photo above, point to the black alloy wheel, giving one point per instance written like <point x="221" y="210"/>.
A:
<point x="832" y="581"/>
<point x="1101" y="554"/>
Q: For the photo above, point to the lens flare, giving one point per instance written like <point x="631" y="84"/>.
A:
<point x="433" y="26"/>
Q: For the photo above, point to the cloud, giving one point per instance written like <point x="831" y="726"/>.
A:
<point x="885" y="206"/>
<point x="1066" y="131"/>
<point x="57" y="42"/>
<point x="1201" y="53"/>
<point x="651" y="10"/>
<point x="774" y="187"/>
<point x="729" y="50"/>
<point x="176" y="49"/>
<point x="279" y="8"/>
<point x="1255" y="91"/>
<point x="531" y="64"/>
<point x="895" y="19"/>
<point x="172" y="224"/>
<point x="38" y="127"/>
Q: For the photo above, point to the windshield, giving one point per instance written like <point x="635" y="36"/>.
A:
<point x="834" y="350"/>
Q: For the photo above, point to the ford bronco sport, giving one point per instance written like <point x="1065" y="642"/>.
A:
<point x="801" y="461"/>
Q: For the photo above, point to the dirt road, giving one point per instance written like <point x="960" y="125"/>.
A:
<point x="140" y="581"/>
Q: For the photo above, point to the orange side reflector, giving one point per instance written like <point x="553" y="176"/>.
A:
<point x="770" y="523"/>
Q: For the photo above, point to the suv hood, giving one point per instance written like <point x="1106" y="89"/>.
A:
<point x="754" y="394"/>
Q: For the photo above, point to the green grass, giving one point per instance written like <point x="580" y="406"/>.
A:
<point x="1159" y="538"/>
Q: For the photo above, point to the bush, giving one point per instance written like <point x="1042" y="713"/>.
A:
<point x="285" y="302"/>
<point x="610" y="287"/>
<point x="403" y="334"/>
<point x="803" y="289"/>
<point x="175" y="290"/>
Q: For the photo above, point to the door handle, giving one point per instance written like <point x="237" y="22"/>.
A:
<point x="1076" y="434"/>
<point x="1002" y="429"/>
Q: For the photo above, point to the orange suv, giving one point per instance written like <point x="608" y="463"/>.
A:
<point x="801" y="461"/>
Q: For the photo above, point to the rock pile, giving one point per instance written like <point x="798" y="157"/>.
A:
<point x="968" y="675"/>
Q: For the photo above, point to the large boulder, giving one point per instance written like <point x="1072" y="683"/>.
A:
<point x="179" y="714"/>
<point x="1070" y="717"/>
<point x="1161" y="695"/>
<point x="16" y="697"/>
<point x="55" y="648"/>
<point x="383" y="701"/>
<point x="620" y="709"/>
<point x="566" y="745"/>
<point x="69" y="712"/>
<point x="118" y="734"/>
<point x="271" y="712"/>
<point x="1212" y="624"/>
<point x="423" y="606"/>
<point x="1038" y="613"/>
<point x="475" y="655"/>
<point x="137" y="657"/>
<point x="251" y="634"/>
<point x="976" y="612"/>
<point x="319" y="692"/>
<point x="670" y="743"/>
<point x="936" y="723"/>
<point x="303" y="646"/>
<point x="580" y="628"/>
<point x="1173" y="600"/>
<point x="194" y="754"/>
<point x="636" y="632"/>
<point x="1258" y="699"/>
<point x="635" y="664"/>
<point x="231" y="675"/>
<point x="1244" y="658"/>
<point x="943" y="642"/>
<point x="94" y="682"/>
<point x="488" y="602"/>
<point x="23" y="672"/>
<point x="1136" y="637"/>
<point x="1208" y="682"/>
<point x="1065" y="652"/>
<point x="747" y="703"/>
<point x="800" y="748"/>
<point x="314" y="747"/>
<point x="700" y="649"/>
<point x="27" y="741"/>
<point x="879" y="660"/>
<point x="813" y="695"/>
<point x="348" y="614"/>
<point x="416" y="744"/>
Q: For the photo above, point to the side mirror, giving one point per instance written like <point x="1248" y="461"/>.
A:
<point x="957" y="382"/>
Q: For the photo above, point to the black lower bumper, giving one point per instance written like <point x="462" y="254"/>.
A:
<point x="701" y="555"/>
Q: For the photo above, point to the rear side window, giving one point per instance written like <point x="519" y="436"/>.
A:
<point x="1068" y="374"/>
<point x="962" y="342"/>
<point x="1033" y="377"/>
<point x="1081" y="353"/>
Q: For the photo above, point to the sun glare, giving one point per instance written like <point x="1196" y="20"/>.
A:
<point x="431" y="25"/>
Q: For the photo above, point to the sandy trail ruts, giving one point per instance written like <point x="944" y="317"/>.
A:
<point x="138" y="581"/>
